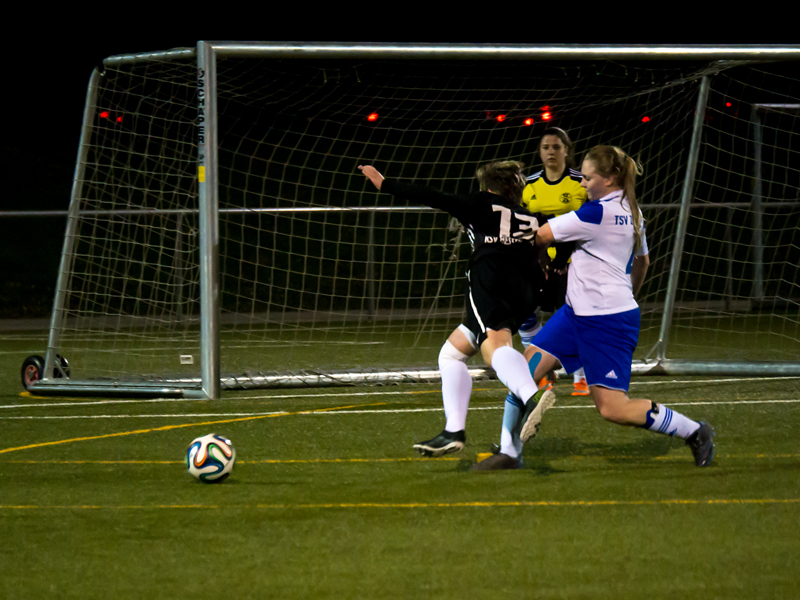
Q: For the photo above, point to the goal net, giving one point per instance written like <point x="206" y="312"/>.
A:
<point x="321" y="280"/>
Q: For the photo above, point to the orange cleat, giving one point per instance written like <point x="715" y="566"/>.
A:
<point x="580" y="388"/>
<point x="546" y="382"/>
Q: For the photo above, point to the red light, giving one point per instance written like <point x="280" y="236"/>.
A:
<point x="104" y="114"/>
<point x="528" y="122"/>
<point x="728" y="104"/>
<point x="119" y="119"/>
<point x="546" y="107"/>
<point x="500" y="118"/>
<point x="645" y="119"/>
<point x="546" y="116"/>
<point x="372" y="116"/>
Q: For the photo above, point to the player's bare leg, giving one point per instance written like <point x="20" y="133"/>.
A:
<point x="617" y="407"/>
<point x="541" y="361"/>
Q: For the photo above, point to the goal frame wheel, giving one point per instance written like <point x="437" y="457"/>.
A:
<point x="32" y="371"/>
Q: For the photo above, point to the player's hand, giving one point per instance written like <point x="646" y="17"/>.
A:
<point x="372" y="174"/>
<point x="545" y="262"/>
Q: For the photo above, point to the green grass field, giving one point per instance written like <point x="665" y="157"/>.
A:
<point x="327" y="499"/>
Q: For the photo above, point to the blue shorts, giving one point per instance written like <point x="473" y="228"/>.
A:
<point x="602" y="344"/>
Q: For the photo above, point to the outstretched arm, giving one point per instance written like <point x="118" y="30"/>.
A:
<point x="457" y="206"/>
<point x="372" y="174"/>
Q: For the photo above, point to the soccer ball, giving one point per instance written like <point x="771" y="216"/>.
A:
<point x="210" y="458"/>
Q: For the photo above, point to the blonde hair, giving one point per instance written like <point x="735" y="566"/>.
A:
<point x="503" y="177"/>
<point x="610" y="161"/>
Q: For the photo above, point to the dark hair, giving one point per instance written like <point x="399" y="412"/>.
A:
<point x="503" y="177"/>
<point x="610" y="161"/>
<point x="564" y="137"/>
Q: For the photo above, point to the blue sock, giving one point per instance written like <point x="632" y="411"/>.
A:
<point x="510" y="442"/>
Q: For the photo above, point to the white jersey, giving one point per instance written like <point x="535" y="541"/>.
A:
<point x="599" y="280"/>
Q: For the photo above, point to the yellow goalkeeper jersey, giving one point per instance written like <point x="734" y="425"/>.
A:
<point x="554" y="197"/>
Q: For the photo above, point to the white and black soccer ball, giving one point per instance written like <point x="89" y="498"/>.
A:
<point x="210" y="458"/>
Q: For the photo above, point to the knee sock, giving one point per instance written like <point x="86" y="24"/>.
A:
<point x="532" y="364"/>
<point x="510" y="443"/>
<point x="512" y="369"/>
<point x="663" y="419"/>
<point x="456" y="386"/>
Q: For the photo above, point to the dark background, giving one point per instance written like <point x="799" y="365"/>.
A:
<point x="52" y="53"/>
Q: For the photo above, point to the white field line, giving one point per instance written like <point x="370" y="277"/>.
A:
<point x="375" y="411"/>
<point x="265" y="344"/>
<point x="351" y="394"/>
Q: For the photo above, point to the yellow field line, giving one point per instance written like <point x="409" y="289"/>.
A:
<point x="269" y="461"/>
<point x="170" y="427"/>
<point x="238" y="462"/>
<point x="279" y="461"/>
<point x="508" y="504"/>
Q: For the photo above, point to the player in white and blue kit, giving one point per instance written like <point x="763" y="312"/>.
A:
<point x="598" y="327"/>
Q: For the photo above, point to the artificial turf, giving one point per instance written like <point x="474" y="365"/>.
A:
<point x="327" y="499"/>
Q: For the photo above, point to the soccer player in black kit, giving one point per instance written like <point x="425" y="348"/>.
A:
<point x="504" y="282"/>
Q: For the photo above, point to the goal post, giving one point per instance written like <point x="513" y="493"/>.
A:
<point x="221" y="237"/>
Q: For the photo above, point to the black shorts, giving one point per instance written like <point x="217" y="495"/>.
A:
<point x="500" y="297"/>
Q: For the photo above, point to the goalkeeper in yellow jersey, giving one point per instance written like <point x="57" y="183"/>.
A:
<point x="554" y="191"/>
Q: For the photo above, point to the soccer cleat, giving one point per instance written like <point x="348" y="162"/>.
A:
<point x="580" y="388"/>
<point x="446" y="442"/>
<point x="497" y="462"/>
<point x="546" y="382"/>
<point x="534" y="409"/>
<point x="702" y="444"/>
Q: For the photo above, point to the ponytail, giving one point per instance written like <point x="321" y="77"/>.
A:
<point x="610" y="161"/>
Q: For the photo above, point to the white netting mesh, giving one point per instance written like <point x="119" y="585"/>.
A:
<point x="738" y="291"/>
<point x="313" y="278"/>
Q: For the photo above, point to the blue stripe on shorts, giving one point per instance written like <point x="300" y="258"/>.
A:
<point x="602" y="344"/>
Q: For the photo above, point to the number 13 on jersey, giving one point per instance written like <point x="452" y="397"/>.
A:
<point x="527" y="225"/>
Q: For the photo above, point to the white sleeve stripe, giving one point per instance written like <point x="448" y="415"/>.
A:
<point x="535" y="176"/>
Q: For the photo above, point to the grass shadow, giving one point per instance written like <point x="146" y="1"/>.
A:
<point x="639" y="447"/>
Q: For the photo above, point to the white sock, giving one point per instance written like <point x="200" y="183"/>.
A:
<point x="510" y="442"/>
<point x="512" y="369"/>
<point x="578" y="375"/>
<point x="669" y="422"/>
<point x="456" y="386"/>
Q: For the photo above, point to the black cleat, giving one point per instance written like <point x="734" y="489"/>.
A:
<point x="498" y="462"/>
<point x="702" y="444"/>
<point x="534" y="409"/>
<point x="446" y="442"/>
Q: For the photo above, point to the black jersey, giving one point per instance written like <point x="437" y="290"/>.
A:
<point x="498" y="228"/>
